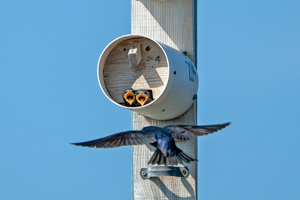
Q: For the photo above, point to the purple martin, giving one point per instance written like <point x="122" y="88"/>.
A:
<point x="129" y="97"/>
<point x="143" y="96"/>
<point x="161" y="138"/>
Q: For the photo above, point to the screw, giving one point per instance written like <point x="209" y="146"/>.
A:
<point x="195" y="97"/>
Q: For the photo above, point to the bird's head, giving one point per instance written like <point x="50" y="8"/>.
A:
<point x="129" y="95"/>
<point x="142" y="96"/>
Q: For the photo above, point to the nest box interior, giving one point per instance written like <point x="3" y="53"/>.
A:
<point x="137" y="63"/>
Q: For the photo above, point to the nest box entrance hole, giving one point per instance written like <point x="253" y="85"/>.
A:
<point x="137" y="63"/>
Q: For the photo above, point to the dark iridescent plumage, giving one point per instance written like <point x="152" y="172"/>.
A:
<point x="161" y="138"/>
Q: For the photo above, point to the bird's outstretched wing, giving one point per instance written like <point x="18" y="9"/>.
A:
<point x="119" y="139"/>
<point x="186" y="132"/>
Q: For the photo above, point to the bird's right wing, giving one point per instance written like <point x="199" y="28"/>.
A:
<point x="119" y="139"/>
<point x="186" y="132"/>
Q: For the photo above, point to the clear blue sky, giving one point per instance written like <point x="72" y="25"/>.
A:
<point x="249" y="68"/>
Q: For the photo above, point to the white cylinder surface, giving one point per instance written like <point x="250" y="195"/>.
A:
<point x="170" y="75"/>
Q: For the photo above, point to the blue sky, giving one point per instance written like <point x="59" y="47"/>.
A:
<point x="249" y="70"/>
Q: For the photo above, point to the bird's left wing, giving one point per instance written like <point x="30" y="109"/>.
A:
<point x="186" y="132"/>
<point x="119" y="139"/>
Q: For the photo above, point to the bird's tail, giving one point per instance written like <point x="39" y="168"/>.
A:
<point x="158" y="158"/>
<point x="185" y="157"/>
<point x="175" y="157"/>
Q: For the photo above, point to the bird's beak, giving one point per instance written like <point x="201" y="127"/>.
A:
<point x="129" y="97"/>
<point x="141" y="98"/>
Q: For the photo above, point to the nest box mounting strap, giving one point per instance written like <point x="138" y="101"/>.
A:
<point x="157" y="171"/>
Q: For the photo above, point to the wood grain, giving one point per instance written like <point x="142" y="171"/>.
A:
<point x="170" y="22"/>
<point x="151" y="73"/>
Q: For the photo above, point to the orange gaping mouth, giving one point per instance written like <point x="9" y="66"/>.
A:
<point x="129" y="97"/>
<point x="141" y="98"/>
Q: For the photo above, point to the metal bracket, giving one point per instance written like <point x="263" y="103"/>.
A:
<point x="157" y="171"/>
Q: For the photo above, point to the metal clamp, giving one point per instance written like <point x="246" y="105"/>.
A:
<point x="157" y="171"/>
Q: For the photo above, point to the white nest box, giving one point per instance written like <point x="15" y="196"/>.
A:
<point x="139" y="62"/>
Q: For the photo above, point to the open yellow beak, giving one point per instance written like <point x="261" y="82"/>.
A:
<point x="141" y="98"/>
<point x="129" y="97"/>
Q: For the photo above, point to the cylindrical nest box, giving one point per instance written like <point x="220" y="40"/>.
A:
<point x="141" y="63"/>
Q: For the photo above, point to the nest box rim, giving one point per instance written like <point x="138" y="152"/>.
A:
<point x="100" y="68"/>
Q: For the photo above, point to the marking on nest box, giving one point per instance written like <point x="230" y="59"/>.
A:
<point x="150" y="58"/>
<point x="192" y="71"/>
<point x="157" y="59"/>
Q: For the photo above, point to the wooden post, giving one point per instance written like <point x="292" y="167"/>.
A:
<point x="172" y="22"/>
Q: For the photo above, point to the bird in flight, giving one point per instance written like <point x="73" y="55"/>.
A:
<point x="163" y="139"/>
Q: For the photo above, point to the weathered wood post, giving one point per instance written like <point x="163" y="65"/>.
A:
<point x="174" y="23"/>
